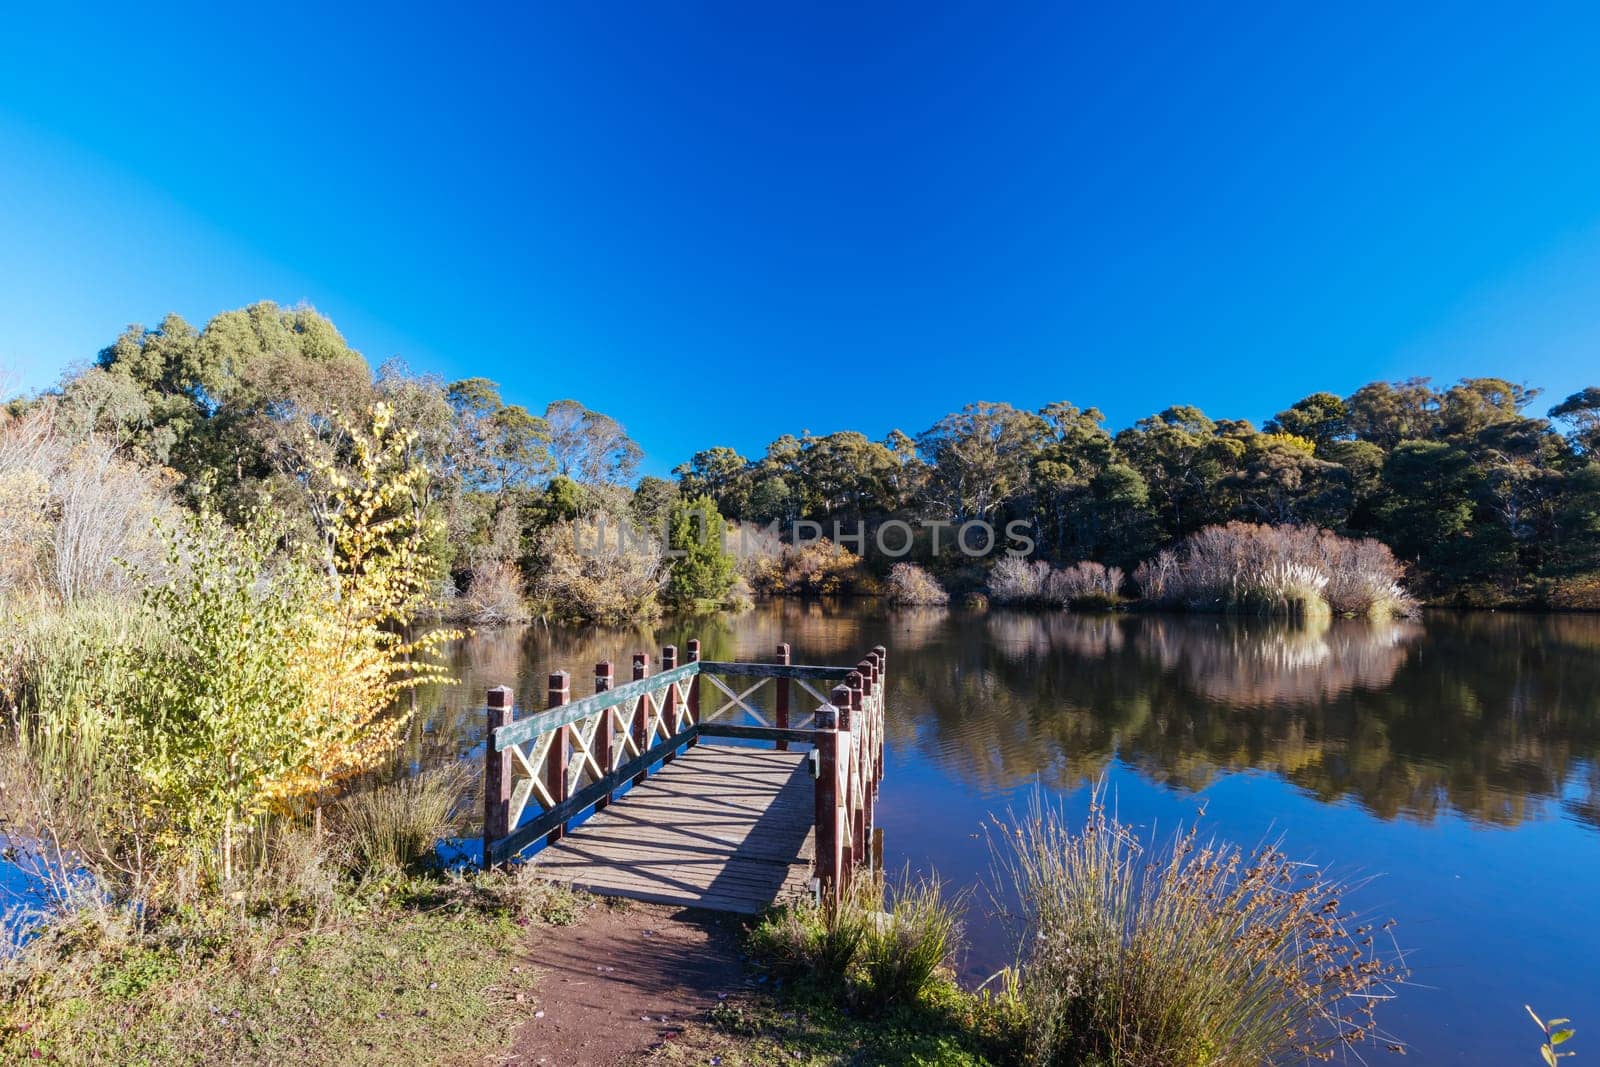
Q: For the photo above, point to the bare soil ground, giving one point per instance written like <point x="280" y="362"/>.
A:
<point x="629" y="978"/>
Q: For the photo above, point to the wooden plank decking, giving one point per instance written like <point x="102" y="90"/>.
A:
<point x="720" y="827"/>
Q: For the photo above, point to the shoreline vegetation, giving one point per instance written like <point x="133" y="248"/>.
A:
<point x="1481" y="502"/>
<point x="1131" y="951"/>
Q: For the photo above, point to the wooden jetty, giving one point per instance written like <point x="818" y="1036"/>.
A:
<point x="630" y="796"/>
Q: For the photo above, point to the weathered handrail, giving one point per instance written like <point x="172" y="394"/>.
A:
<point x="544" y="722"/>
<point x="577" y="754"/>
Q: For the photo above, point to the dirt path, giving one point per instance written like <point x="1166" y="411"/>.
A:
<point x="623" y="981"/>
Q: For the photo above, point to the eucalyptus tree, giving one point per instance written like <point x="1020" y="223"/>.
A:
<point x="588" y="447"/>
<point x="979" y="459"/>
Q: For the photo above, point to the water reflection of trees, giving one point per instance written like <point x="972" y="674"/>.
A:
<point x="450" y="719"/>
<point x="1486" y="715"/>
<point x="1491" y="715"/>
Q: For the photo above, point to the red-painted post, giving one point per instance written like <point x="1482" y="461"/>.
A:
<point x="782" y="707"/>
<point x="669" y="699"/>
<point x="557" y="759"/>
<point x="496" y="773"/>
<point x="604" y="741"/>
<point x="694" y="687"/>
<point x="859" y="738"/>
<point x="830" y="838"/>
<point x="641" y="726"/>
<point x="868" y="670"/>
<point x="883" y="710"/>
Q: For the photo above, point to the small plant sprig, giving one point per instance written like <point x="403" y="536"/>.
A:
<point x="1555" y="1033"/>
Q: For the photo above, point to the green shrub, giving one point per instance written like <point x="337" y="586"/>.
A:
<point x="703" y="572"/>
<point x="857" y="952"/>
<point x="520" y="893"/>
<point x="908" y="949"/>
<point x="823" y="944"/>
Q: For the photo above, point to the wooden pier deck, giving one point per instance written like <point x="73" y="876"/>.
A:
<point x="628" y="798"/>
<point x="730" y="829"/>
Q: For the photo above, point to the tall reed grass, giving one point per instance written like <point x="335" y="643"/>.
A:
<point x="393" y="828"/>
<point x="1194" y="952"/>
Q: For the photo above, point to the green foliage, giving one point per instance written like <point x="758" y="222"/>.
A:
<point x="875" y="949"/>
<point x="247" y="682"/>
<point x="703" y="569"/>
<point x="213" y="708"/>
<point x="907" y="951"/>
<point x="857" y="983"/>
<point x="1487" y="504"/>
<point x="1556" y="1033"/>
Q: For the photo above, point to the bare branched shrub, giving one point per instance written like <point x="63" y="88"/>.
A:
<point x="1277" y="569"/>
<point x="1017" y="580"/>
<point x="494" y="594"/>
<point x="594" y="573"/>
<point x="911" y="584"/>
<point x="757" y="548"/>
<point x="1195" y="952"/>
<point x="1364" y="578"/>
<point x="76" y="519"/>
<point x="105" y="538"/>
<point x="1083" y="583"/>
<point x="1157" y="577"/>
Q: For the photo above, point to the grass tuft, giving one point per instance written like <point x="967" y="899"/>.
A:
<point x="1192" y="953"/>
<point x="392" y="829"/>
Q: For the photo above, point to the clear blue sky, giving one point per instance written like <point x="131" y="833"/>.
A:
<point x="720" y="223"/>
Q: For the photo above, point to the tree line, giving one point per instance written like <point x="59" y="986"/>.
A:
<point x="1485" y="500"/>
<point x="1488" y="504"/>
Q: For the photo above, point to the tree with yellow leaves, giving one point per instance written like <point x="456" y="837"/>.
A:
<point x="359" y="656"/>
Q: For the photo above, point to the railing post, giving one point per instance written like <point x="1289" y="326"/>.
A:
<point x="846" y="745"/>
<point x="782" y="706"/>
<point x="559" y="757"/>
<point x="869" y="697"/>
<point x="883" y="701"/>
<point x="860" y="776"/>
<point x="641" y="725"/>
<point x="496" y="773"/>
<point x="829" y="836"/>
<point x="603" y="731"/>
<point x="694" y="687"/>
<point x="669" y="699"/>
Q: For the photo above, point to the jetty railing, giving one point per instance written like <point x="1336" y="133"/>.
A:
<point x="579" y="754"/>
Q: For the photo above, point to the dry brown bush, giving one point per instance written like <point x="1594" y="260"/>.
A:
<point x="494" y="594"/>
<point x="911" y="584"/>
<point x="593" y="575"/>
<point x="1020" y="581"/>
<point x="817" y="568"/>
